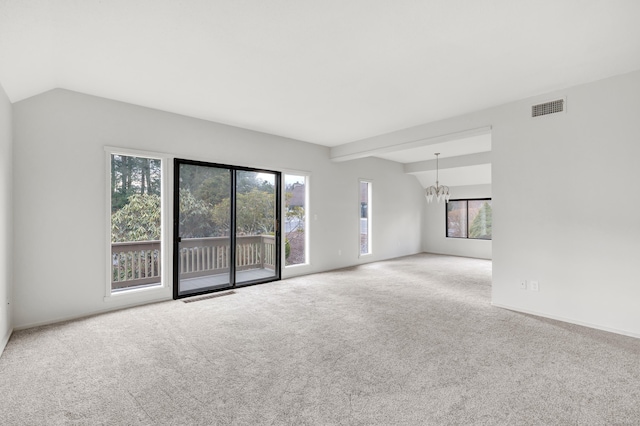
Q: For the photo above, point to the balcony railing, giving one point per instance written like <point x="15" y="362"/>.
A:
<point x="135" y="264"/>
<point x="138" y="263"/>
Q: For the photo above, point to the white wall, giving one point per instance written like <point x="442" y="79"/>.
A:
<point x="6" y="217"/>
<point x="60" y="199"/>
<point x="434" y="238"/>
<point x="565" y="202"/>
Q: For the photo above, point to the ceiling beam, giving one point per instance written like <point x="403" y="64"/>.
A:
<point x="350" y="151"/>
<point x="449" y="162"/>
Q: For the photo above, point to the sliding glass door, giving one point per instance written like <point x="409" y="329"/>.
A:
<point x="225" y="227"/>
<point x="202" y="227"/>
<point x="256" y="225"/>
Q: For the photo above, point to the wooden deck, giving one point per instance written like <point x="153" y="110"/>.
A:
<point x="214" y="282"/>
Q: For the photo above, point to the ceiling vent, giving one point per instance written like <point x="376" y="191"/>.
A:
<point x="547" y="108"/>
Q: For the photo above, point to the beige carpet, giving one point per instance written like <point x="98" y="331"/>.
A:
<point x="410" y="341"/>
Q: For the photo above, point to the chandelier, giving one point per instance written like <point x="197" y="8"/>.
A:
<point x="441" y="192"/>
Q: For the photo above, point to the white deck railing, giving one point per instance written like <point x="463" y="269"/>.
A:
<point x="138" y="263"/>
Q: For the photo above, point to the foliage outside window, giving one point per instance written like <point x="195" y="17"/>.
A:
<point x="135" y="222"/>
<point x="225" y="226"/>
<point x="205" y="202"/>
<point x="469" y="219"/>
<point x="295" y="196"/>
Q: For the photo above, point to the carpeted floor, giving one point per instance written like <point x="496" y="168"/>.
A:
<point x="410" y="341"/>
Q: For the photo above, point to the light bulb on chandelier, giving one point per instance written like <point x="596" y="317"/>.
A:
<point x="440" y="192"/>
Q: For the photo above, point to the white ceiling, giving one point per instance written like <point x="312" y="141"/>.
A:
<point x="322" y="71"/>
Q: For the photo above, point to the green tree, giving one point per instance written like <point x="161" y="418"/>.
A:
<point x="213" y="185"/>
<point x="133" y="175"/>
<point x="192" y="177"/>
<point x="214" y="189"/>
<point x="220" y="217"/>
<point x="138" y="220"/>
<point x="195" y="216"/>
<point x="255" y="213"/>
<point x="247" y="181"/>
<point x="482" y="223"/>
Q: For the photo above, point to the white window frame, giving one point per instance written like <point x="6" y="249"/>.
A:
<point x="163" y="290"/>
<point x="369" y="183"/>
<point x="307" y="221"/>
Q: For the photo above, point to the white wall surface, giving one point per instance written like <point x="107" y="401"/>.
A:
<point x="6" y="217"/>
<point x="565" y="203"/>
<point x="60" y="199"/>
<point x="434" y="239"/>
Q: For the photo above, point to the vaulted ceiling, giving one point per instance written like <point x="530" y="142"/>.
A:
<point x="323" y="71"/>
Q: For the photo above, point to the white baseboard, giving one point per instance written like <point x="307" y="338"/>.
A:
<point x="5" y="340"/>
<point x="569" y="320"/>
<point x="459" y="255"/>
<point x="90" y="314"/>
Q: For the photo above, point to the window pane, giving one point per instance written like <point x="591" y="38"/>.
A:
<point x="204" y="227"/>
<point x="256" y="208"/>
<point x="365" y="217"/>
<point x="295" y="193"/>
<point x="480" y="219"/>
<point x="135" y="222"/>
<point x="457" y="219"/>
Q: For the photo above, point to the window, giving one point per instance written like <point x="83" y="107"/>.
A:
<point x="296" y="220"/>
<point x="365" y="217"/>
<point x="469" y="219"/>
<point x="135" y="222"/>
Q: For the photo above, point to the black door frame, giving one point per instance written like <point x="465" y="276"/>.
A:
<point x="232" y="232"/>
